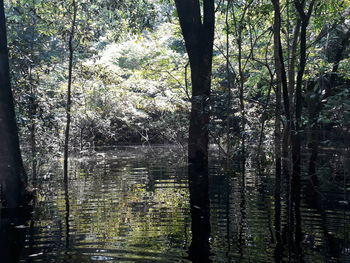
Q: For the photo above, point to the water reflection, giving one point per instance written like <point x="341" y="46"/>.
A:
<point x="66" y="201"/>
<point x="199" y="250"/>
<point x="135" y="205"/>
<point x="278" y="252"/>
<point x="12" y="233"/>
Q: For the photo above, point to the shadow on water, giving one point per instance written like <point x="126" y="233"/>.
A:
<point x="199" y="250"/>
<point x="12" y="233"/>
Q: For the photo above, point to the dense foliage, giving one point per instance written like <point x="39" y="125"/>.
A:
<point x="131" y="77"/>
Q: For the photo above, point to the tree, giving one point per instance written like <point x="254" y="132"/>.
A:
<point x="282" y="83"/>
<point x="198" y="32"/>
<point x="69" y="91"/>
<point x="13" y="179"/>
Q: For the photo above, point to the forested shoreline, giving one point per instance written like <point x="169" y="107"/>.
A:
<point x="131" y="79"/>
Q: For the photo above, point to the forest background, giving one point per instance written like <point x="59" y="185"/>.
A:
<point x="129" y="78"/>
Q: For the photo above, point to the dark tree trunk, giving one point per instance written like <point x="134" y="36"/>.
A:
<point x="291" y="66"/>
<point x="241" y="93"/>
<point x="199" y="250"/>
<point x="198" y="33"/>
<point x="32" y="130"/>
<point x="228" y="75"/>
<point x="296" y="134"/>
<point x="13" y="179"/>
<point x="291" y="87"/>
<point x="278" y="251"/>
<point x="281" y="87"/>
<point x="69" y="93"/>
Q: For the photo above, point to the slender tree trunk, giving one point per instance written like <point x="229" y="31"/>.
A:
<point x="296" y="135"/>
<point x="264" y="115"/>
<point x="33" y="101"/>
<point x="69" y="95"/>
<point x="32" y="130"/>
<point x="291" y="67"/>
<point x="13" y="179"/>
<point x="287" y="163"/>
<point x="278" y="252"/>
<point x="241" y="91"/>
<point x="228" y="75"/>
<point x="67" y="206"/>
<point x="281" y="84"/>
<point x="239" y="39"/>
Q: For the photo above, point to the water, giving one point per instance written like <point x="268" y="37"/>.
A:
<point x="133" y="205"/>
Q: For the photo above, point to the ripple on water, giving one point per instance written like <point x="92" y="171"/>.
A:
<point x="128" y="205"/>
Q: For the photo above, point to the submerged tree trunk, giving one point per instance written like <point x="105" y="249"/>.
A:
<point x="296" y="134"/>
<point x="286" y="156"/>
<point x="198" y="33"/>
<point x="241" y="93"/>
<point x="281" y="85"/>
<point x="69" y="95"/>
<point x="199" y="250"/>
<point x="13" y="179"/>
<point x="228" y="75"/>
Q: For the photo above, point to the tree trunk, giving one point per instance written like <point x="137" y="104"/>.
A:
<point x="69" y="98"/>
<point x="198" y="33"/>
<point x="199" y="250"/>
<point x="228" y="75"/>
<point x="287" y="163"/>
<point x="241" y="93"/>
<point x="281" y="84"/>
<point x="32" y="131"/>
<point x="296" y="135"/>
<point x="13" y="179"/>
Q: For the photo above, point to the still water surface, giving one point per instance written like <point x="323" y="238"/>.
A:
<point x="131" y="204"/>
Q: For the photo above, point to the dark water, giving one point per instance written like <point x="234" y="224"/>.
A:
<point x="132" y="205"/>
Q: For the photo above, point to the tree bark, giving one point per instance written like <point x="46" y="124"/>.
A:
<point x="198" y="33"/>
<point x="13" y="179"/>
<point x="281" y="85"/>
<point x="296" y="134"/>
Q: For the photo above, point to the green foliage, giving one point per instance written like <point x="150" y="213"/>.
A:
<point x="132" y="92"/>
<point x="130" y="64"/>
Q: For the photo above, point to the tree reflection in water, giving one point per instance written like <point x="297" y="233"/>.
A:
<point x="141" y="210"/>
<point x="12" y="233"/>
<point x="199" y="250"/>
